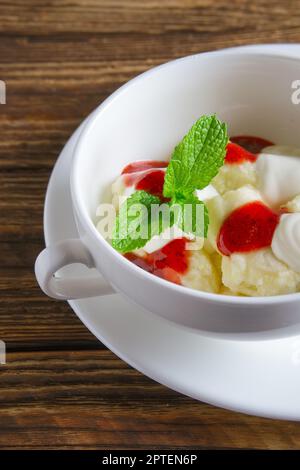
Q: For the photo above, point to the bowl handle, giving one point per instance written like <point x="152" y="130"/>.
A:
<point x="55" y="257"/>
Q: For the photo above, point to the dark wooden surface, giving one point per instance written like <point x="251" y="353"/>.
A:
<point x="60" y="387"/>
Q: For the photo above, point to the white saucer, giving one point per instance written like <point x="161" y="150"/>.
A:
<point x="261" y="378"/>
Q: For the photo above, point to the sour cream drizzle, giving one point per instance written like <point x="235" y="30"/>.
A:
<point x="278" y="170"/>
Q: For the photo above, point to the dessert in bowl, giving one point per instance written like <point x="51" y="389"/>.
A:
<point x="145" y="120"/>
<point x="249" y="242"/>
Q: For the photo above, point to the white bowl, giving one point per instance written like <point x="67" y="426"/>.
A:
<point x="145" y="119"/>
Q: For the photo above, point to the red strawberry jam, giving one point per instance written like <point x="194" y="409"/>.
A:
<point x="251" y="143"/>
<point x="143" y="165"/>
<point x="236" y="154"/>
<point x="151" y="179"/>
<point x="152" y="182"/>
<point x="244" y="148"/>
<point x="168" y="262"/>
<point x="249" y="227"/>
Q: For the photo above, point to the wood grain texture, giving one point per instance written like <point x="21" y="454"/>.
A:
<point x="91" y="399"/>
<point x="61" y="388"/>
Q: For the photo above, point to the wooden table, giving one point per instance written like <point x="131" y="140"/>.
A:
<point x="61" y="388"/>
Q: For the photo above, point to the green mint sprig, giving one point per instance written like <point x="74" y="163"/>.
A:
<point x="194" y="163"/>
<point x="197" y="158"/>
<point x="190" y="215"/>
<point x="133" y="226"/>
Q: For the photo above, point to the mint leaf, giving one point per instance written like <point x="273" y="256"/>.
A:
<point x="191" y="215"/>
<point x="197" y="159"/>
<point x="136" y="222"/>
<point x="194" y="163"/>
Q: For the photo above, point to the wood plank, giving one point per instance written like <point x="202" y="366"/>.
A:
<point x="30" y="320"/>
<point x="92" y="400"/>
<point x="114" y="16"/>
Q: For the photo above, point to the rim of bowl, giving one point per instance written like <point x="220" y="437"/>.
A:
<point x="91" y="228"/>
